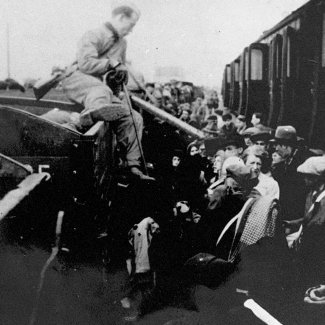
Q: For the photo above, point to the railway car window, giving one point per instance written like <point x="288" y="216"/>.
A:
<point x="278" y="56"/>
<point x="323" y="43"/>
<point x="246" y="65"/>
<point x="288" y="56"/>
<point x="277" y="62"/>
<point x="236" y="71"/>
<point x="228" y="74"/>
<point x="256" y="65"/>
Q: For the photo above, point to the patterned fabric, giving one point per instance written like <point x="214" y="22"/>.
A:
<point x="257" y="223"/>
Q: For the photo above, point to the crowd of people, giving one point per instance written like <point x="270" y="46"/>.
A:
<point x="243" y="206"/>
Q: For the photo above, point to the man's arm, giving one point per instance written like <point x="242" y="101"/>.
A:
<point x="90" y="47"/>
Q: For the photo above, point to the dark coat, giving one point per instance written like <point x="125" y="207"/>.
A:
<point x="293" y="190"/>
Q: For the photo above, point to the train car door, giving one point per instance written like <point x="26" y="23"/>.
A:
<point x="275" y="79"/>
<point x="243" y="81"/>
<point x="289" y="64"/>
<point x="234" y="99"/>
<point x="257" y="80"/>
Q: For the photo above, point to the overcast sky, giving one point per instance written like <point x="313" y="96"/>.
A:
<point x="201" y="36"/>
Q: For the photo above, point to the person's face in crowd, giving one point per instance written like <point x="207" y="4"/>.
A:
<point x="283" y="150"/>
<point x="194" y="151"/>
<point x="240" y="123"/>
<point x="124" y="25"/>
<point x="259" y="147"/>
<point x="248" y="141"/>
<point x="255" y="120"/>
<point x="227" y="123"/>
<point x="276" y="158"/>
<point x="232" y="151"/>
<point x="176" y="161"/>
<point x="184" y="116"/>
<point x="310" y="180"/>
<point x="255" y="164"/>
<point x="217" y="164"/>
<point x="202" y="150"/>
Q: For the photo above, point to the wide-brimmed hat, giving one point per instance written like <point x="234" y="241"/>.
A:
<point x="236" y="140"/>
<point x="211" y="128"/>
<point x="285" y="134"/>
<point x="313" y="166"/>
<point x="260" y="135"/>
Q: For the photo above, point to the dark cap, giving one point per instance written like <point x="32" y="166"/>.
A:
<point x="235" y="140"/>
<point x="260" y="135"/>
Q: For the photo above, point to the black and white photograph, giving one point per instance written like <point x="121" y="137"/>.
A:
<point x="162" y="162"/>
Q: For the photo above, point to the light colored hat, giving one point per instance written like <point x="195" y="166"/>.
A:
<point x="230" y="161"/>
<point x="313" y="166"/>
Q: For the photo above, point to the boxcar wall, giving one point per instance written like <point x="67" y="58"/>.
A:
<point x="282" y="74"/>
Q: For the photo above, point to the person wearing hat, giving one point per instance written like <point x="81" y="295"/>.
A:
<point x="211" y="129"/>
<point x="258" y="122"/>
<point x="102" y="52"/>
<point x="228" y="128"/>
<point x="307" y="234"/>
<point x="260" y="140"/>
<point x="234" y="146"/>
<point x="185" y="116"/>
<point x="247" y="135"/>
<point x="292" y="187"/>
<point x="241" y="124"/>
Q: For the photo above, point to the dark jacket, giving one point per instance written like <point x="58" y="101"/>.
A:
<point x="293" y="190"/>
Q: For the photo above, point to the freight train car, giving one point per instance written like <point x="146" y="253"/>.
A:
<point x="282" y="74"/>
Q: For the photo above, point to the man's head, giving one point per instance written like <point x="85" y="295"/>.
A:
<point x="185" y="116"/>
<point x="241" y="121"/>
<point x="234" y="146"/>
<point x="247" y="135"/>
<point x="313" y="171"/>
<point x="257" y="118"/>
<point x="285" y="140"/>
<point x="124" y="17"/>
<point x="227" y="118"/>
<point x="241" y="177"/>
<point x="276" y="158"/>
<point x="255" y="163"/>
<point x="260" y="141"/>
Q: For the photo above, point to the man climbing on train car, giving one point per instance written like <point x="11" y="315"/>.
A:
<point x="103" y="52"/>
